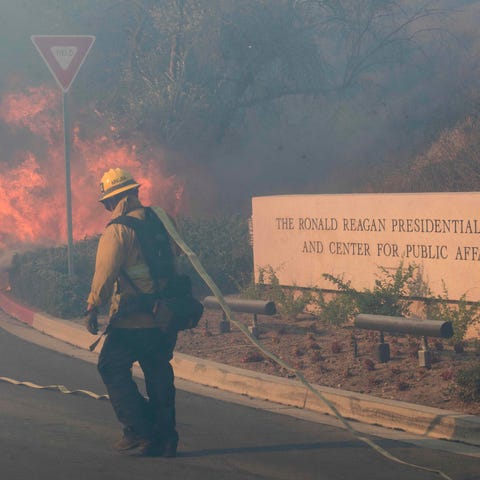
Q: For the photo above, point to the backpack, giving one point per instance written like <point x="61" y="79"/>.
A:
<point x="185" y="311"/>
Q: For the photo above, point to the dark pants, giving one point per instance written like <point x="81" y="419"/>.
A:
<point x="153" y="418"/>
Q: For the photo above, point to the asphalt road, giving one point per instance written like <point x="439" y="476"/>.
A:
<point x="48" y="435"/>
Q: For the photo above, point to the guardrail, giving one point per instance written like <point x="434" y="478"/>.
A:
<point x="412" y="326"/>
<point x="256" y="307"/>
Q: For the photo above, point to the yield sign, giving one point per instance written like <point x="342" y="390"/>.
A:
<point x="64" y="55"/>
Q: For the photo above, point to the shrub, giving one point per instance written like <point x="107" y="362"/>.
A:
<point x="462" y="314"/>
<point x="222" y="244"/>
<point x="374" y="382"/>
<point x="298" y="352"/>
<point x="468" y="383"/>
<point x="389" y="294"/>
<point x="447" y="374"/>
<point x="402" y="385"/>
<point x="316" y="356"/>
<point x="40" y="278"/>
<point x="252" y="357"/>
<point x="337" y="311"/>
<point x="369" y="364"/>
<point x="336" y="347"/>
<point x="289" y="301"/>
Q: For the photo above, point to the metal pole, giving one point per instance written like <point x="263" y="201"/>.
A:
<point x="253" y="328"/>
<point x="66" y="131"/>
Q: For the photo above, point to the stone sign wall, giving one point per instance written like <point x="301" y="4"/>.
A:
<point x="304" y="236"/>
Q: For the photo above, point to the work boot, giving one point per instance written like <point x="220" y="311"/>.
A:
<point x="156" y="448"/>
<point x="170" y="448"/>
<point x="129" y="441"/>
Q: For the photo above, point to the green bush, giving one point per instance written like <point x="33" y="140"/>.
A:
<point x="40" y="278"/>
<point x="290" y="301"/>
<point x="468" y="383"/>
<point x="337" y="311"/>
<point x="462" y="314"/>
<point x="222" y="245"/>
<point x="389" y="295"/>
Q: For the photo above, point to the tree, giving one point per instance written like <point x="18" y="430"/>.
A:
<point x="193" y="67"/>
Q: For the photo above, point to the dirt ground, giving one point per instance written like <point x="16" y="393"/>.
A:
<point x="338" y="357"/>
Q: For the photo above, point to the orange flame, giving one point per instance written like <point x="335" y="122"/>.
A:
<point x="32" y="193"/>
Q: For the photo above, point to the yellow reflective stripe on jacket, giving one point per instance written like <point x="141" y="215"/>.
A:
<point x="138" y="272"/>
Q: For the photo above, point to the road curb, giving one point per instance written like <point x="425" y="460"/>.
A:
<point x="427" y="421"/>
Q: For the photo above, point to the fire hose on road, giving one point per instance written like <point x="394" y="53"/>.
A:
<point x="60" y="388"/>
<point x="229" y="315"/>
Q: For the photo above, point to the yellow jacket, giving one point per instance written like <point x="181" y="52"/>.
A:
<point x="119" y="249"/>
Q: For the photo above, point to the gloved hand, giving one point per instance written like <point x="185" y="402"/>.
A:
<point x="91" y="320"/>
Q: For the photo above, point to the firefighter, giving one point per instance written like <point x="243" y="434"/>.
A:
<point x="133" y="334"/>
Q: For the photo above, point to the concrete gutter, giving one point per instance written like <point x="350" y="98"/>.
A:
<point x="421" y="420"/>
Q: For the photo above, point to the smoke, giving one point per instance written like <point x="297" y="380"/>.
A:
<point x="351" y="141"/>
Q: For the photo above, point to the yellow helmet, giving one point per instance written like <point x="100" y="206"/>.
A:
<point x="115" y="181"/>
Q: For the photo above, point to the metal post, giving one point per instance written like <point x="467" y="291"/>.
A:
<point x="224" y="324"/>
<point x="383" y="350"/>
<point x="424" y="355"/>
<point x="66" y="133"/>
<point x="253" y="328"/>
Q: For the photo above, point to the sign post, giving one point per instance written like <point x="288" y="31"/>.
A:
<point x="64" y="55"/>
